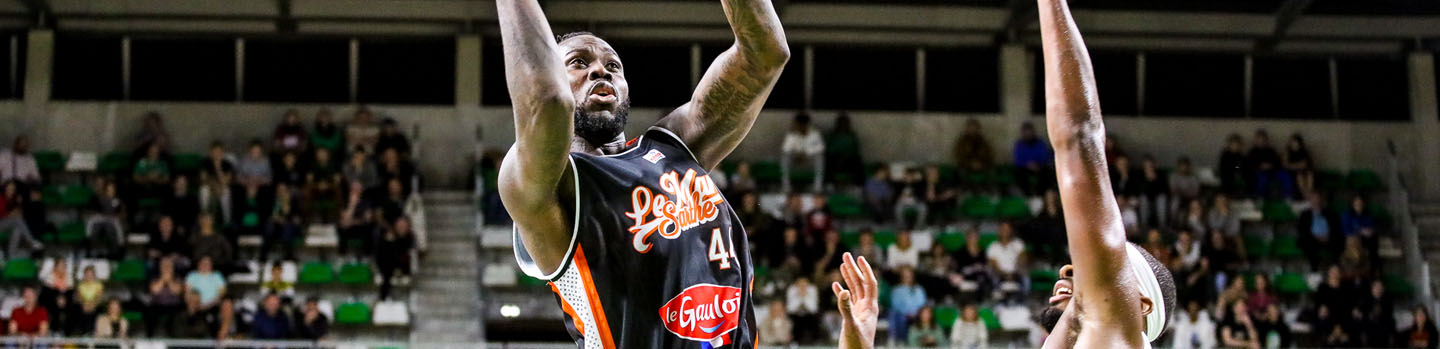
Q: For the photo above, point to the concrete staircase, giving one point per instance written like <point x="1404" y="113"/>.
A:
<point x="1427" y="220"/>
<point x="446" y="291"/>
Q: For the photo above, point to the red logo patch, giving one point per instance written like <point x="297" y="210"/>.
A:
<point x="702" y="312"/>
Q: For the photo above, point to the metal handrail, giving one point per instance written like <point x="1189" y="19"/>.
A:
<point x="1399" y="197"/>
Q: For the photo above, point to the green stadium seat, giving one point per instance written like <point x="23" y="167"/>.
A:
<point x="356" y="274"/>
<point x="114" y="163"/>
<point x="1286" y="246"/>
<point x="884" y="292"/>
<point x="1329" y="180"/>
<point x="52" y="195"/>
<point x="149" y="203"/>
<point x="71" y="233"/>
<point x="976" y="178"/>
<point x="21" y="269"/>
<point x="315" y="273"/>
<point x="1013" y="208"/>
<point x="1364" y="180"/>
<point x="951" y="241"/>
<point x="992" y="322"/>
<point x="1379" y="211"/>
<point x="884" y="238"/>
<point x="188" y="162"/>
<point x="762" y="271"/>
<point x="1291" y="283"/>
<point x="845" y="205"/>
<point x="850" y="238"/>
<point x="527" y="280"/>
<point x="946" y="315"/>
<point x="1278" y="211"/>
<point x="1042" y="280"/>
<point x="75" y="195"/>
<point x="1002" y="176"/>
<point x="978" y="207"/>
<point x="133" y="316"/>
<point x="129" y="271"/>
<point x="354" y="313"/>
<point x="988" y="238"/>
<point x="765" y="171"/>
<point x="1257" y="246"/>
<point x="1398" y="285"/>
<point x="49" y="161"/>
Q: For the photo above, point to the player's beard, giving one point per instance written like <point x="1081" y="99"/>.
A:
<point x="599" y="130"/>
<point x="1049" y="317"/>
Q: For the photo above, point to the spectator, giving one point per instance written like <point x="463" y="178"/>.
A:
<point x="1262" y="297"/>
<point x="56" y="283"/>
<point x="195" y="321"/>
<point x="13" y="219"/>
<point x="392" y="166"/>
<point x="817" y="219"/>
<point x="30" y="319"/>
<point x="1192" y="328"/>
<point x="361" y="131"/>
<point x="208" y="243"/>
<point x="906" y="299"/>
<point x="1232" y="169"/>
<point x="1007" y="258"/>
<point x="802" y="303"/>
<point x="1129" y="217"/>
<point x="802" y="144"/>
<point x="311" y="324"/>
<point x="760" y="225"/>
<point x="275" y="282"/>
<point x="357" y="222"/>
<point x="290" y="134"/>
<point x="289" y="172"/>
<point x="217" y="163"/>
<point x="182" y="206"/>
<point x="1123" y="178"/>
<point x="392" y="254"/>
<point x="1155" y="245"/>
<point x="215" y="199"/>
<point x="34" y="212"/>
<point x="322" y="189"/>
<point x="284" y="225"/>
<point x="879" y="194"/>
<point x="152" y="132"/>
<point x="935" y="270"/>
<point x="254" y="168"/>
<point x="1339" y="337"/>
<point x="253" y="210"/>
<point x="1112" y="148"/>
<point x="924" y="332"/>
<point x="1223" y="219"/>
<point x="1198" y="283"/>
<point x="105" y="232"/>
<point x="842" y="151"/>
<point x="1266" y="168"/>
<point x="90" y="291"/>
<point x="165" y="243"/>
<point x="1154" y="202"/>
<point x="868" y="249"/>
<point x="392" y="138"/>
<point x="205" y="281"/>
<point x="18" y="164"/>
<point x="969" y="332"/>
<point x="1314" y="228"/>
<point x="775" y="328"/>
<point x="1032" y="160"/>
<point x="973" y="264"/>
<point x="227" y="320"/>
<point x="741" y="182"/>
<point x="1187" y="251"/>
<point x="1377" y="309"/>
<point x="1234" y="292"/>
<point x="270" y="322"/>
<point x="1421" y="333"/>
<point x="1047" y="225"/>
<point x="326" y="135"/>
<point x="902" y="254"/>
<point x="1357" y="221"/>
<point x="910" y="199"/>
<point x="1238" y="331"/>
<point x="1222" y="257"/>
<point x="113" y="324"/>
<point x="1193" y="218"/>
<point x="938" y="195"/>
<point x="786" y="256"/>
<point x="360" y="169"/>
<point x="1355" y="261"/>
<point x="166" y="291"/>
<point x="1297" y="156"/>
<point x="1184" y="184"/>
<point x="828" y="254"/>
<point x="1335" y="293"/>
<point x="151" y="172"/>
<point x="972" y="151"/>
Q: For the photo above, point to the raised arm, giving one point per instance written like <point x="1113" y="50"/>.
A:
<point x="1072" y="114"/>
<point x="734" y="88"/>
<point x="544" y="108"/>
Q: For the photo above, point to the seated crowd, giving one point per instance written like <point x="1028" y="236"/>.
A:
<point x="197" y="212"/>
<point x="946" y="276"/>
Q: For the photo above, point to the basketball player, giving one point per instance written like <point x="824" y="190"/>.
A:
<point x="634" y="237"/>
<point x="1115" y="295"/>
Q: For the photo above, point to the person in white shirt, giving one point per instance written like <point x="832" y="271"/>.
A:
<point x="802" y="144"/>
<point x="1192" y="329"/>
<point x="1187" y="250"/>
<point x="969" y="332"/>
<point x="802" y="303"/>
<point x="1007" y="257"/>
<point x="903" y="253"/>
<point x="775" y="328"/>
<point x="18" y="164"/>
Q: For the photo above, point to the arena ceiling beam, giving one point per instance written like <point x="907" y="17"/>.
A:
<point x="1285" y="16"/>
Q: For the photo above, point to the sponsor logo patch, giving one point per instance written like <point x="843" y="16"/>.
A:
<point x="703" y="313"/>
<point x="654" y="156"/>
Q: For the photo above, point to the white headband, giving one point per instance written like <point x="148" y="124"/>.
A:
<point x="1150" y="288"/>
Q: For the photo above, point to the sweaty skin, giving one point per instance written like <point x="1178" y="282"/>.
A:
<point x="1104" y="308"/>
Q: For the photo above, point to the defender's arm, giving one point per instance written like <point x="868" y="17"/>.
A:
<point x="1097" y="238"/>
<point x="734" y="88"/>
<point x="536" y="164"/>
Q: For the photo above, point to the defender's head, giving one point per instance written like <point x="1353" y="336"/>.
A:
<point x="1060" y="309"/>
<point x="597" y="80"/>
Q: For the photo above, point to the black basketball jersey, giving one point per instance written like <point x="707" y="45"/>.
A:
<point x="658" y="258"/>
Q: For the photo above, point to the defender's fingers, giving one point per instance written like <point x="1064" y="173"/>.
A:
<point x="856" y="280"/>
<point x="869" y="281"/>
<point x="850" y="276"/>
<point x="842" y="299"/>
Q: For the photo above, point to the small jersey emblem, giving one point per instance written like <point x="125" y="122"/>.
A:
<point x="654" y="156"/>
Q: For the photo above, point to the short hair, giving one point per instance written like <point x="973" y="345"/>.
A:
<point x="802" y="118"/>
<point x="1167" y="284"/>
<point x="562" y="37"/>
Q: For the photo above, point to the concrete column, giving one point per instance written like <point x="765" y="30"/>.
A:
<point x="1015" y="76"/>
<point x="467" y="69"/>
<point x="40" y="53"/>
<point x="1426" y="117"/>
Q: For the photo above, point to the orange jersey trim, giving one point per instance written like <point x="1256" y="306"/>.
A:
<point x="602" y="326"/>
<point x="565" y="306"/>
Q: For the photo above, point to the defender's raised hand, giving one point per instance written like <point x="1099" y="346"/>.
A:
<point x="859" y="304"/>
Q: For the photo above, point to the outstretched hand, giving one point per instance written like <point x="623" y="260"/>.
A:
<point x="859" y="305"/>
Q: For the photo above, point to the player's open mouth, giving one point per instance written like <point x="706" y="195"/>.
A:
<point x="1064" y="289"/>
<point x="602" y="92"/>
